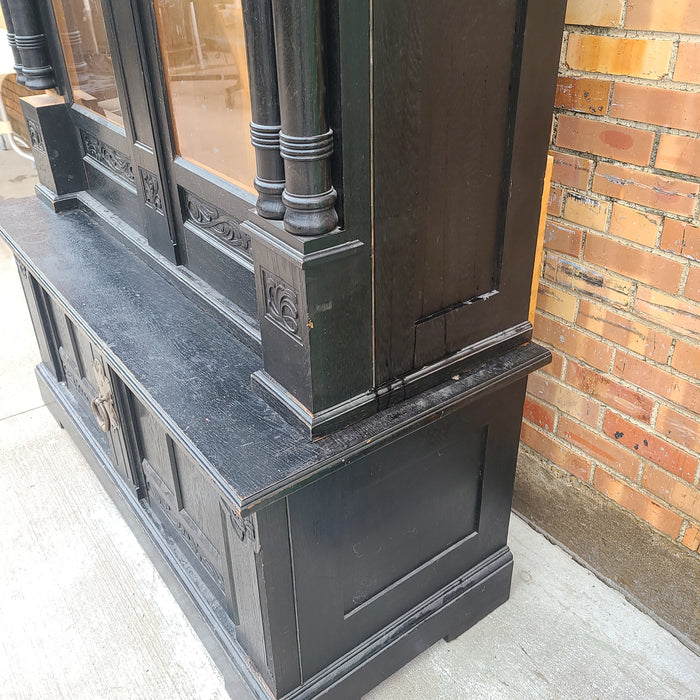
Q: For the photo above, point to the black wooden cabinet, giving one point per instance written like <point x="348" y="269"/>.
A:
<point x="279" y="270"/>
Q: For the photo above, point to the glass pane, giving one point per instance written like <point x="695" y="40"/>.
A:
<point x="203" y="49"/>
<point x="81" y="27"/>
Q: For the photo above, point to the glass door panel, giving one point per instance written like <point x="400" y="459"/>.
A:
<point x="204" y="58"/>
<point x="112" y="111"/>
<point x="81" y="28"/>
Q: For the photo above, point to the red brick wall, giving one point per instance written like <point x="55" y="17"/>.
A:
<point x="619" y="299"/>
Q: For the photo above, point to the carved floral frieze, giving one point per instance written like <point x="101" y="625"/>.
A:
<point x="109" y="157"/>
<point x="209" y="218"/>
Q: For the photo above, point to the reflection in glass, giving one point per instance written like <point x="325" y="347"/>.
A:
<point x="203" y="49"/>
<point x="81" y="27"/>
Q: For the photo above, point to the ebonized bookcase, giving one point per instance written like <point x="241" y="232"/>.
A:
<point x="302" y="362"/>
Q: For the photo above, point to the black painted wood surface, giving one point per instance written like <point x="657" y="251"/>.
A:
<point x="9" y="24"/>
<point x="461" y="127"/>
<point x="185" y="339"/>
<point x="306" y="141"/>
<point x="195" y="373"/>
<point x="30" y="42"/>
<point x="265" y="107"/>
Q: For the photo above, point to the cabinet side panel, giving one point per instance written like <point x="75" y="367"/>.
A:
<point x="375" y="539"/>
<point x="462" y="104"/>
<point x="442" y="119"/>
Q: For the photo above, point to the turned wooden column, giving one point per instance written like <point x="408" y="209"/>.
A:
<point x="31" y="43"/>
<point x="11" y="40"/>
<point x="76" y="43"/>
<point x="306" y="141"/>
<point x="264" y="97"/>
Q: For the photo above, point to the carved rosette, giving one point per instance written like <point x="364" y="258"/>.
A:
<point x="109" y="157"/>
<point x="209" y="218"/>
<point x="281" y="304"/>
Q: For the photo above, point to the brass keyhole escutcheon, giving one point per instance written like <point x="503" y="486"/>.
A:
<point x="103" y="407"/>
<point x="101" y="413"/>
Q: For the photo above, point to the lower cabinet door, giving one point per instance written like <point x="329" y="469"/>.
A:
<point x="91" y="383"/>
<point x="181" y="496"/>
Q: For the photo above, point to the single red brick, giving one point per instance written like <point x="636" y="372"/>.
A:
<point x="631" y="403"/>
<point x="686" y="359"/>
<point x="642" y="265"/>
<point x="650" y="447"/>
<point x="555" y="452"/>
<point x="624" y="331"/>
<point x="679" y="237"/>
<point x="633" y="225"/>
<point x="563" y="239"/>
<point x="654" y="191"/>
<point x="632" y="500"/>
<point x="601" y="448"/>
<point x="670" y="311"/>
<point x="678" y="427"/>
<point x="691" y="538"/>
<point x="676" y="493"/>
<point x="556" y="367"/>
<point x="688" y="63"/>
<point x="556" y="302"/>
<point x="679" y="154"/>
<point x="614" y="290"/>
<point x="603" y="139"/>
<point x="692" y="284"/>
<point x="564" y="398"/>
<point x="555" y="203"/>
<point x="573" y="342"/>
<point x="663" y="16"/>
<point x="600" y="13"/>
<point x="586" y="211"/>
<point x="583" y="94"/>
<point x="653" y="105"/>
<point x="539" y="414"/>
<point x="665" y="385"/>
<point x="571" y="171"/>
<point x="640" y="58"/>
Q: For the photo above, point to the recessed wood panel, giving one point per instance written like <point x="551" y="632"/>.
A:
<point x="376" y="538"/>
<point x="444" y="480"/>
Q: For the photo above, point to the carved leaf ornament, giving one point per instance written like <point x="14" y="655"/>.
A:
<point x="209" y="218"/>
<point x="281" y="304"/>
<point x="112" y="159"/>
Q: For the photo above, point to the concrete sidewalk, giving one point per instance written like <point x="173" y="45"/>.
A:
<point x="85" y="614"/>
